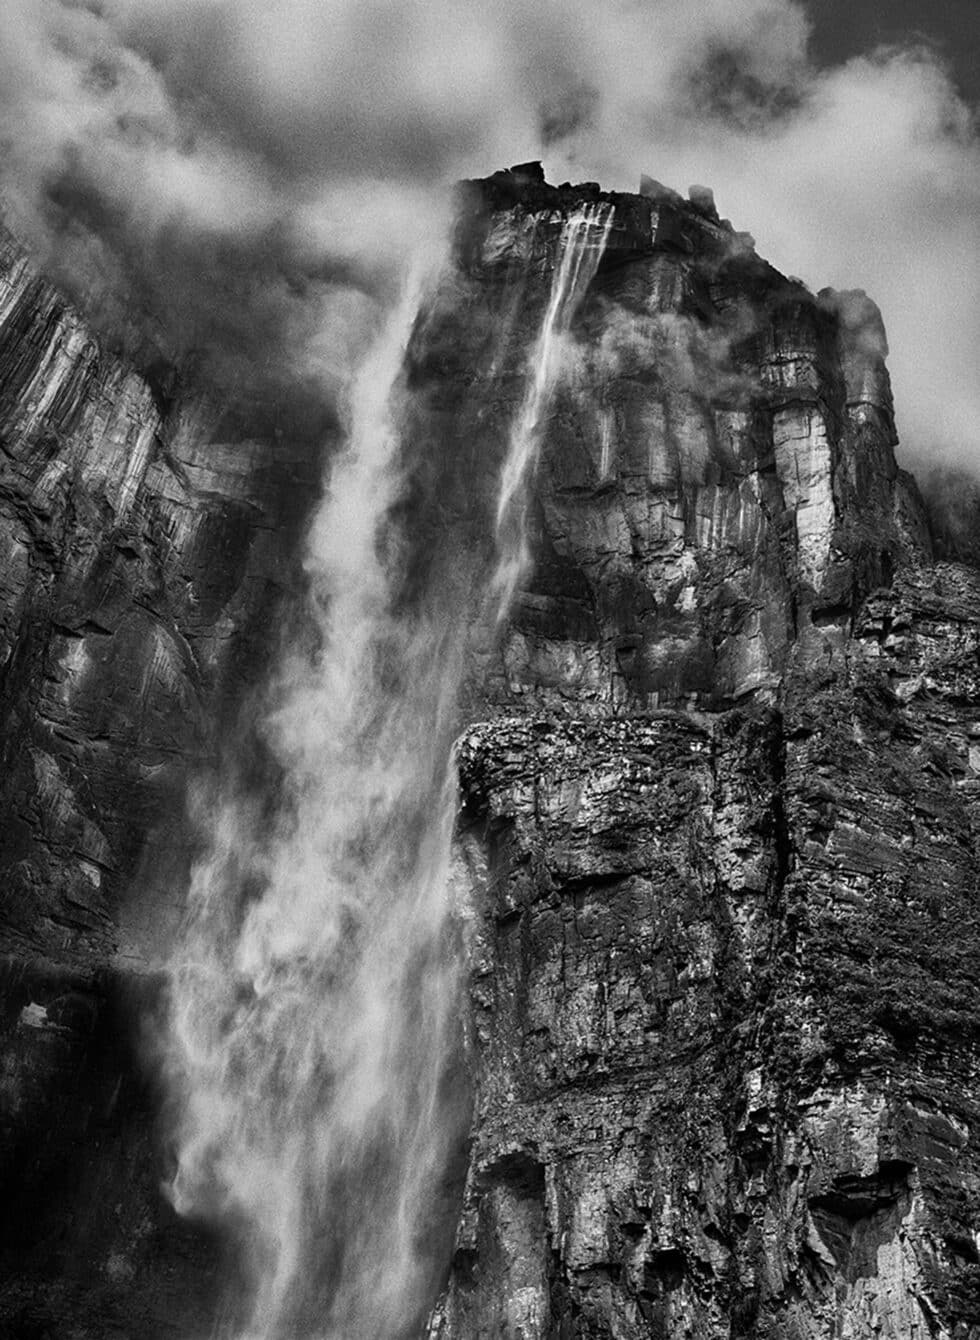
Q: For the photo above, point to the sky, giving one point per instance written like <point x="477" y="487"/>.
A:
<point x="242" y="181"/>
<point x="843" y="28"/>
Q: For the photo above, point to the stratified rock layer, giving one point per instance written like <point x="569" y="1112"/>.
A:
<point x="720" y="819"/>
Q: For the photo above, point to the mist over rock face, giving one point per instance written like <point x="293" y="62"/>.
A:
<point x="143" y="561"/>
<point x="719" y="772"/>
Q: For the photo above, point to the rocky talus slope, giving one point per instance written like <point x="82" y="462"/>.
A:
<point x="719" y="772"/>
<point x="720" y="810"/>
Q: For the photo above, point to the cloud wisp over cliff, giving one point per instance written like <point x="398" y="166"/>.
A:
<point x="243" y="179"/>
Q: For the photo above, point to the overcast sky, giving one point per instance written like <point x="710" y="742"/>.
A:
<point x="843" y="28"/>
<point x="246" y="173"/>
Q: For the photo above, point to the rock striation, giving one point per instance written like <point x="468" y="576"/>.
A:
<point x="146" y="546"/>
<point x="719" y="776"/>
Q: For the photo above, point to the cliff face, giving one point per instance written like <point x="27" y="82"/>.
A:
<point x="719" y="776"/>
<point x="720" y="815"/>
<point x="142" y="557"/>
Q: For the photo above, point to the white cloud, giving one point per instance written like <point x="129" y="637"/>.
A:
<point x="334" y="125"/>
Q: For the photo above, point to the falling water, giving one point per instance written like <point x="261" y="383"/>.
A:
<point x="315" y="990"/>
<point x="583" y="241"/>
<point x="606" y="434"/>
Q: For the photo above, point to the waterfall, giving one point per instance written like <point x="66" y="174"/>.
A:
<point x="581" y="246"/>
<point x="315" y="990"/>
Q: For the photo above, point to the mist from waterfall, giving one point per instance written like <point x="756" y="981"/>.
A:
<point x="315" y="1000"/>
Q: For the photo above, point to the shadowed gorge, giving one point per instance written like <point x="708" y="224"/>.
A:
<point x="523" y="885"/>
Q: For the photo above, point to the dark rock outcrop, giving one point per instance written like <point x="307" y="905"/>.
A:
<point x="720" y="819"/>
<point x="143" y="560"/>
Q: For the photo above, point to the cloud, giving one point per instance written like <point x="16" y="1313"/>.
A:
<point x="871" y="180"/>
<point x="240" y="166"/>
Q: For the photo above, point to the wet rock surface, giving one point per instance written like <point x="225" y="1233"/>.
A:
<point x="719" y="831"/>
<point x="144" y="560"/>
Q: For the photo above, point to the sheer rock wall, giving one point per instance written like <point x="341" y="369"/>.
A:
<point x="143" y="559"/>
<point x="720" y="812"/>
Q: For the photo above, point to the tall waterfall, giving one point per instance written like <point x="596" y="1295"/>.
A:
<point x="315" y="990"/>
<point x="583" y="241"/>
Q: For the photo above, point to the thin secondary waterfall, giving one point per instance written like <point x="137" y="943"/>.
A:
<point x="581" y="247"/>
<point x="315" y="1002"/>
